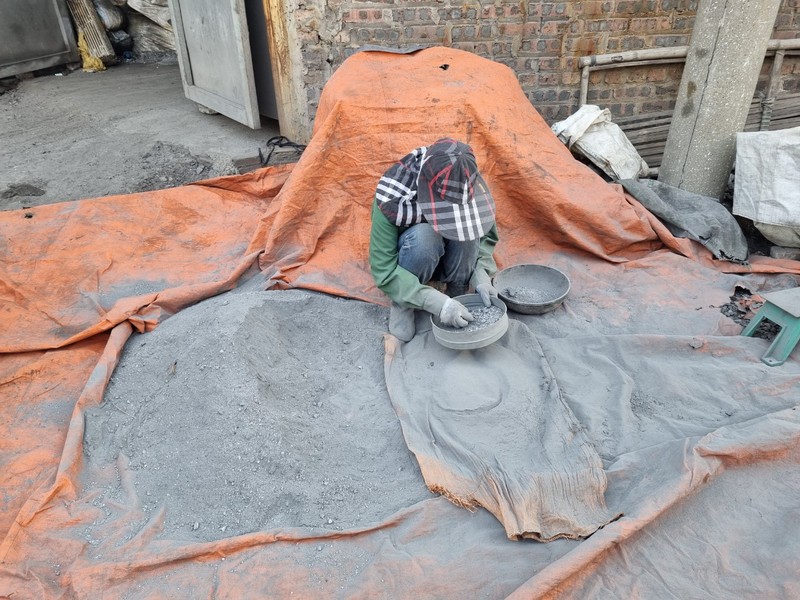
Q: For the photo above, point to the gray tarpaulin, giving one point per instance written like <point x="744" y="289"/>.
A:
<point x="692" y="216"/>
<point x="490" y="428"/>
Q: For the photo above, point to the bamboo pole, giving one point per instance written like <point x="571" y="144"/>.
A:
<point x="773" y="87"/>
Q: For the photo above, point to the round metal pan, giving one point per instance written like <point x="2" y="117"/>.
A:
<point x="532" y="289"/>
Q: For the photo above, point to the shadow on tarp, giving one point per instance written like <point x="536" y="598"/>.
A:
<point x="77" y="278"/>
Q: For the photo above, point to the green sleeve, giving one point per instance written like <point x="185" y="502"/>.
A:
<point x="400" y="285"/>
<point x="486" y="267"/>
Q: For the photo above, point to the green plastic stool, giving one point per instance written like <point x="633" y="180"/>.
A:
<point x="783" y="309"/>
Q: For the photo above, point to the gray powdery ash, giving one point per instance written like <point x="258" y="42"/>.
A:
<point x="255" y="411"/>
<point x="524" y="295"/>
<point x="483" y="317"/>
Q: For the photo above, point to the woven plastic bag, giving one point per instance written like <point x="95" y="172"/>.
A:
<point x="767" y="183"/>
<point x="591" y="133"/>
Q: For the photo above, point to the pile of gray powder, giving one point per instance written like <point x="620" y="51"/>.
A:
<point x="254" y="411"/>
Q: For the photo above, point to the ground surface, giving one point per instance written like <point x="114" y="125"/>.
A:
<point x="73" y="135"/>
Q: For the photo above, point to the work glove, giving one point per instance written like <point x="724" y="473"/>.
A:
<point x="455" y="314"/>
<point x="487" y="292"/>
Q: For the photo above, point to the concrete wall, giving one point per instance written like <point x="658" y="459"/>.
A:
<point x="541" y="41"/>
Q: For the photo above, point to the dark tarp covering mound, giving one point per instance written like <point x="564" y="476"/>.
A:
<point x="698" y="439"/>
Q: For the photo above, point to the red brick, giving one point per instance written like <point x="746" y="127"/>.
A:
<point x="595" y="94"/>
<point x="581" y="45"/>
<point x="631" y="42"/>
<point x="550" y="64"/>
<point x="566" y="95"/>
<point x="593" y="8"/>
<point x="422" y="16"/>
<point x="635" y="7"/>
<point x="657" y="106"/>
<point x="596" y="26"/>
<point x="650" y="24"/>
<point x="617" y="25"/>
<point x="554" y="27"/>
<point x="518" y="29"/>
<point x="483" y="49"/>
<point x="466" y="46"/>
<point x="413" y="33"/>
<point x="614" y="76"/>
<point x="549" y="79"/>
<point x="462" y="33"/>
<point x="669" y="41"/>
<point x="535" y="10"/>
<point x="501" y="49"/>
<point x="548" y="45"/>
<point x="679" y="5"/>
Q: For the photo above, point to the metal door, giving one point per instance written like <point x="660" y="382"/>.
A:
<point x="35" y="34"/>
<point x="213" y="47"/>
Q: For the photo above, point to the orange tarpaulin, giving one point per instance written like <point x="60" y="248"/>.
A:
<point x="642" y="321"/>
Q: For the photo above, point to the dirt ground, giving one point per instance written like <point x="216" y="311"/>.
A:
<point x="72" y="135"/>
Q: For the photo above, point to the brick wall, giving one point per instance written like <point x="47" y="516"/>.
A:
<point x="541" y="41"/>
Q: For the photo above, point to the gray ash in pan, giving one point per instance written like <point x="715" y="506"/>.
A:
<point x="484" y="317"/>
<point x="523" y="295"/>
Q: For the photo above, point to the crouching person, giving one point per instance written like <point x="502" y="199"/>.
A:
<point x="433" y="220"/>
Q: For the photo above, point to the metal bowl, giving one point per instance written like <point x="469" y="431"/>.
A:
<point x="459" y="339"/>
<point x="532" y="289"/>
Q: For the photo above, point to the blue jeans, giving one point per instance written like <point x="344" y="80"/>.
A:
<point x="429" y="256"/>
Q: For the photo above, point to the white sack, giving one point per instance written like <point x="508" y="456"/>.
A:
<point x="767" y="183"/>
<point x="591" y="133"/>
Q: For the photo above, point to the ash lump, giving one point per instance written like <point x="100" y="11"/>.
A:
<point x="484" y="317"/>
<point x="237" y="415"/>
<point x="524" y="295"/>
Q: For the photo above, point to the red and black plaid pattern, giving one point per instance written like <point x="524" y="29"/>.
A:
<point x="452" y="194"/>
<point x="439" y="184"/>
<point x="397" y="190"/>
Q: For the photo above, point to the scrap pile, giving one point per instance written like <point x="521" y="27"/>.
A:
<point x="112" y="29"/>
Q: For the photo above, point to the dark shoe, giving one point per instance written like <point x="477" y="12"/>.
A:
<point x="401" y="322"/>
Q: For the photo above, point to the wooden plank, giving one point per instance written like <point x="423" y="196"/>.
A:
<point x="647" y="131"/>
<point x="784" y="124"/>
<point x="157" y="14"/>
<point x="292" y="105"/>
<point x="88" y="23"/>
<point x="654" y="116"/>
